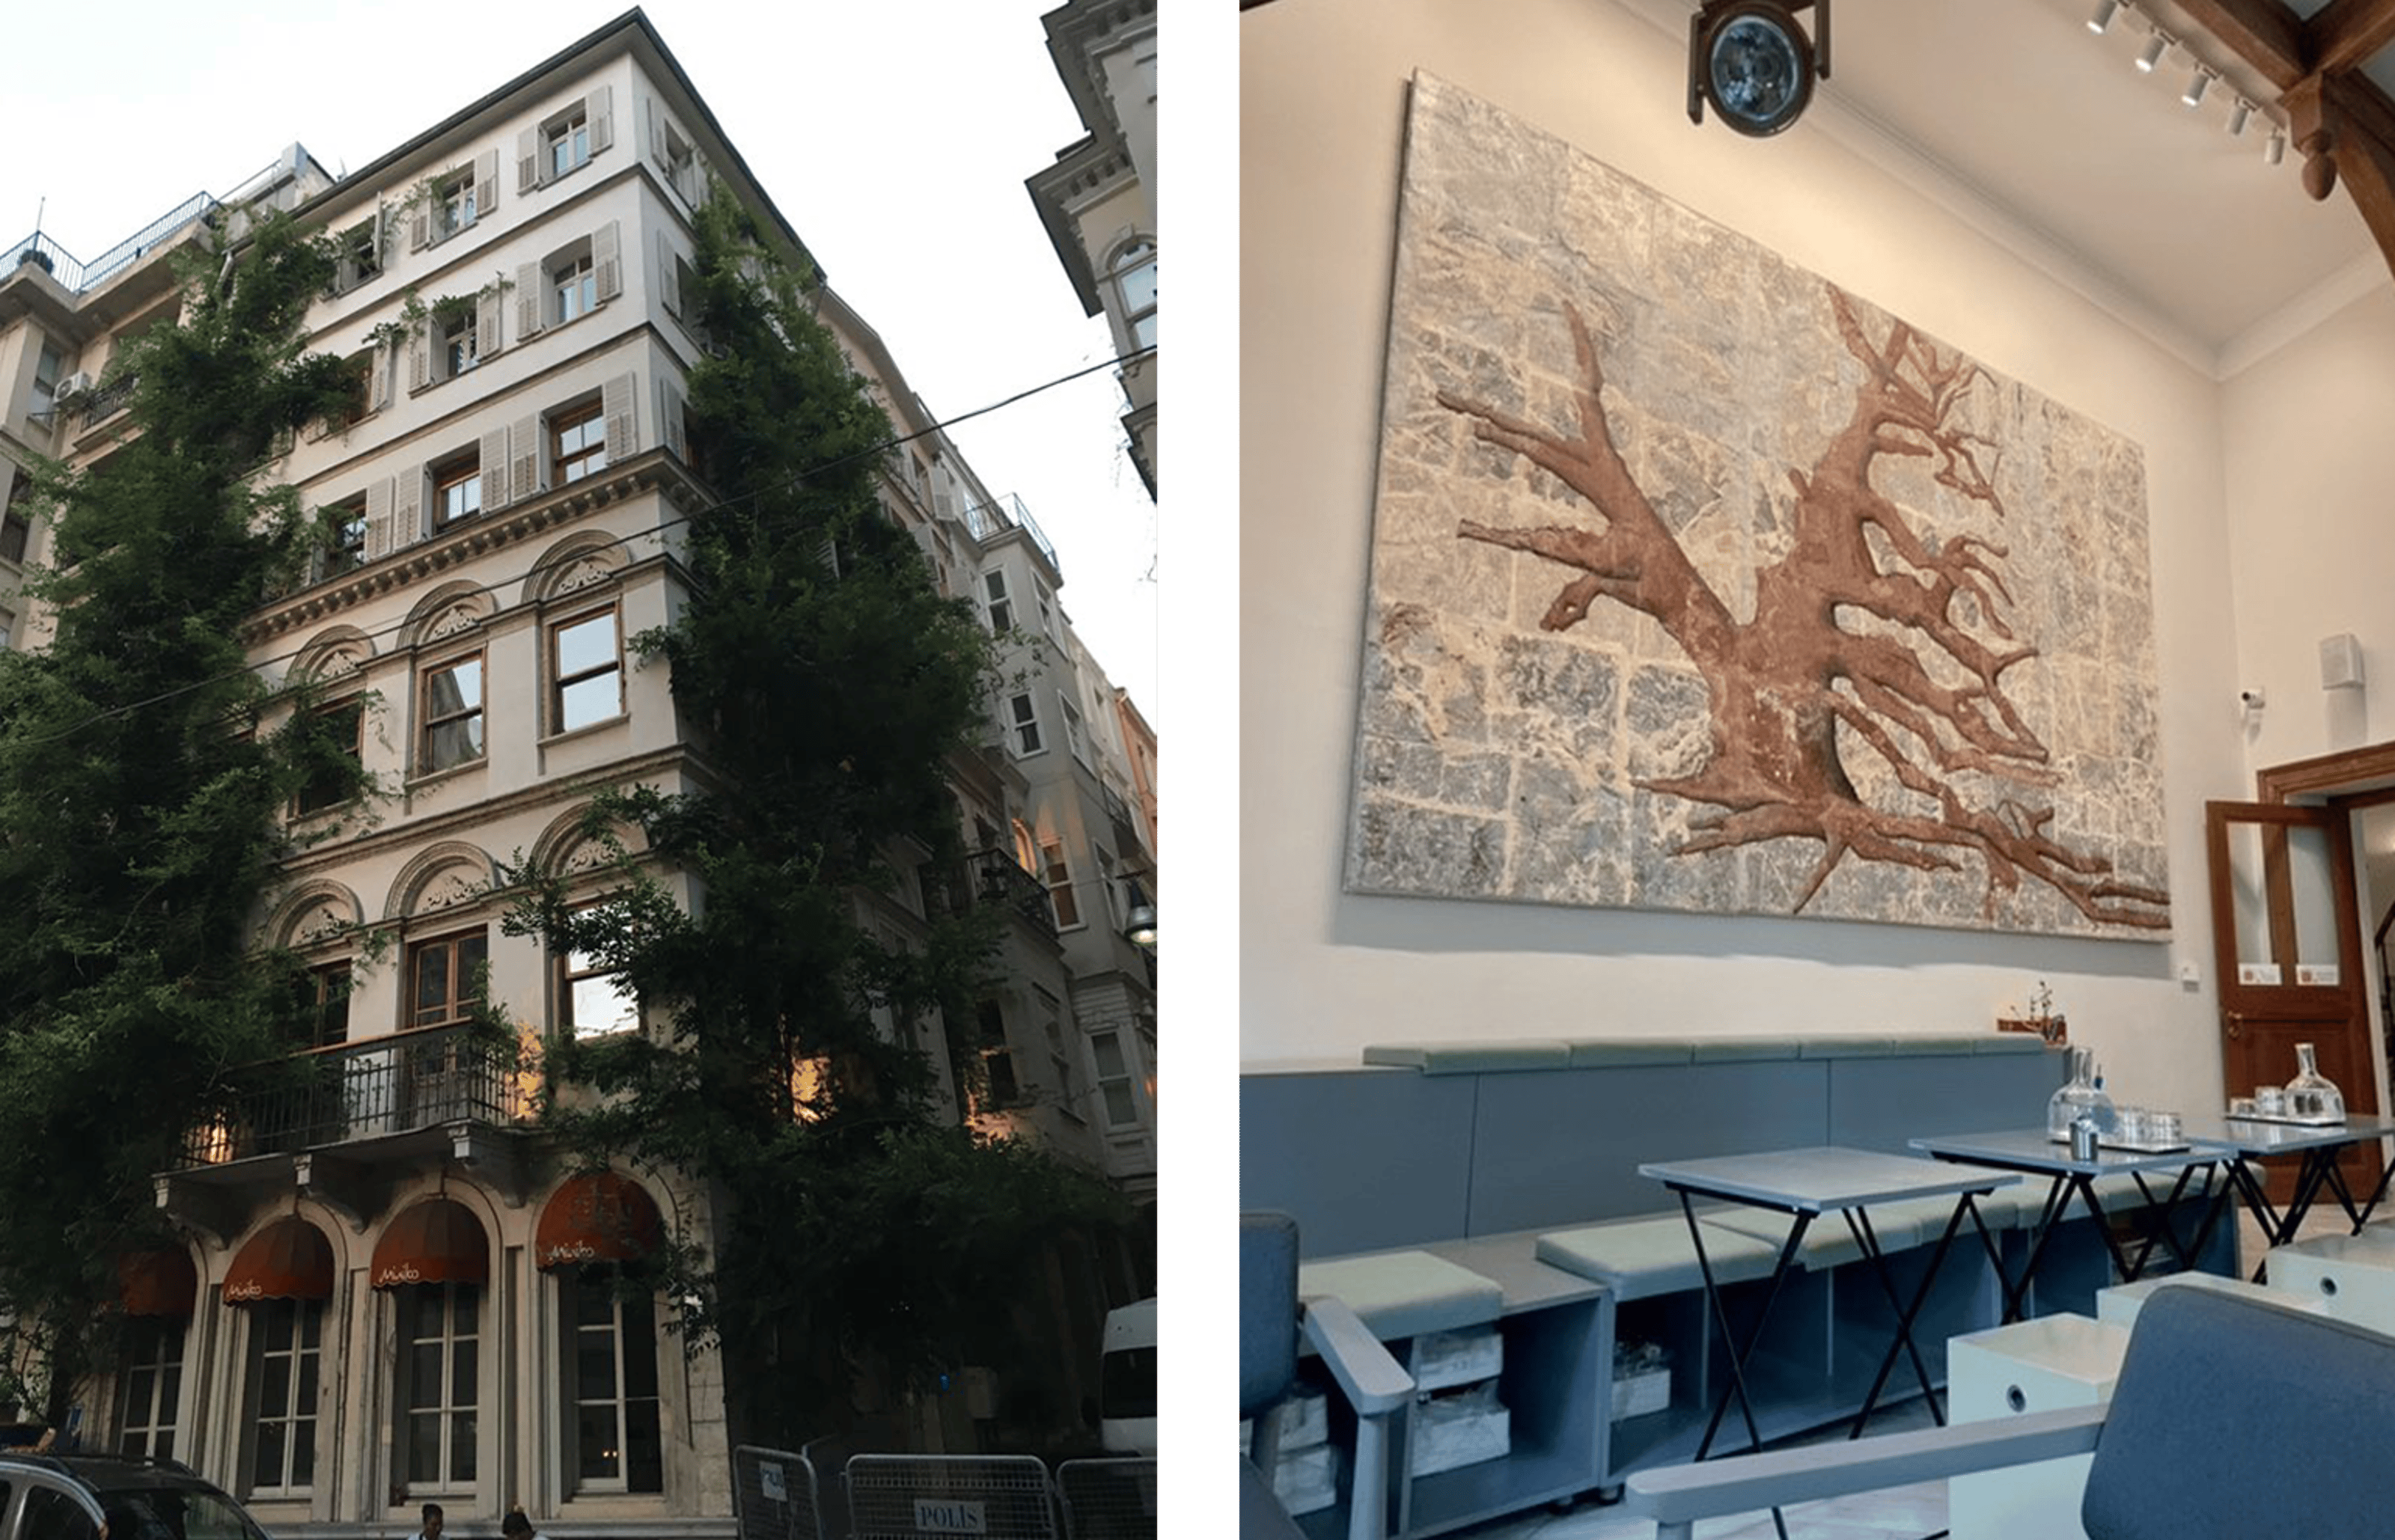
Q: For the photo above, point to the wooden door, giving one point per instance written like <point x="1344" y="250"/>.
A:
<point x="2286" y="936"/>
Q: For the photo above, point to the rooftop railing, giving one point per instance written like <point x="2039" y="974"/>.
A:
<point x="987" y="520"/>
<point x="78" y="277"/>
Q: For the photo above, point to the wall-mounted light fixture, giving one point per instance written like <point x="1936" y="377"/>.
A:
<point x="1140" y="930"/>
<point x="2152" y="54"/>
<point x="2105" y="11"/>
<point x="1754" y="64"/>
<point x="2197" y="84"/>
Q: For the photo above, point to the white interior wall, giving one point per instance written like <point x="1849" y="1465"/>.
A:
<point x="1323" y="972"/>
<point x="2304" y="437"/>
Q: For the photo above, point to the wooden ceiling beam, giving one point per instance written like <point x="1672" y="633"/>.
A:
<point x="2347" y="33"/>
<point x="2345" y="131"/>
<point x="2264" y="33"/>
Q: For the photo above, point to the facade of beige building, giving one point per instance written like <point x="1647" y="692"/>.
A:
<point x="399" y="1292"/>
<point x="1098" y="200"/>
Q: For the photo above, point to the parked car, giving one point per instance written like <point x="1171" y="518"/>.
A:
<point x="1126" y="1380"/>
<point x="89" y="1497"/>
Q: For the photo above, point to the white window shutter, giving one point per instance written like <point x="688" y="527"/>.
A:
<point x="378" y="378"/>
<point x="377" y="517"/>
<point x="495" y="468"/>
<point x="652" y="130"/>
<point x="527" y="160"/>
<point x="669" y="423"/>
<point x="420" y="227"/>
<point x="532" y="299"/>
<point x="606" y="259"/>
<point x="487" y="306"/>
<point x="407" y="509"/>
<point x="523" y="470"/>
<point x="419" y="359"/>
<point x="669" y="281"/>
<point x="601" y="105"/>
<point x="617" y="400"/>
<point x="487" y="183"/>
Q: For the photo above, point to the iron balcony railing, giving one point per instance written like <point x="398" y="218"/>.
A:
<point x="383" y="1086"/>
<point x="105" y="400"/>
<point x="990" y="877"/>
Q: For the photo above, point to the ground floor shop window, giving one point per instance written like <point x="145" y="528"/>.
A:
<point x="439" y="1385"/>
<point x="286" y="1339"/>
<point x="611" y="1365"/>
<point x="152" y="1383"/>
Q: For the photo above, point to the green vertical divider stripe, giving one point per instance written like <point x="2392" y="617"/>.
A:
<point x="1198" y="625"/>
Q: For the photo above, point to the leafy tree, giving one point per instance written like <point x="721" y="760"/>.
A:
<point x="862" y="1235"/>
<point x="138" y="794"/>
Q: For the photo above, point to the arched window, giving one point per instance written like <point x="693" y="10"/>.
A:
<point x="1132" y="272"/>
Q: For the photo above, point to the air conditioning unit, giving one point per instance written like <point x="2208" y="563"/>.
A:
<point x="74" y="384"/>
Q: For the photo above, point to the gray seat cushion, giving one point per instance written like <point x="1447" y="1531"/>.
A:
<point x="1399" y="1293"/>
<point x="1638" y="1259"/>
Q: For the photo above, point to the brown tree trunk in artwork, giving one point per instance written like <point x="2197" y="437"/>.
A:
<point x="1781" y="685"/>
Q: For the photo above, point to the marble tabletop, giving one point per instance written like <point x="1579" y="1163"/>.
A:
<point x="1822" y="1178"/>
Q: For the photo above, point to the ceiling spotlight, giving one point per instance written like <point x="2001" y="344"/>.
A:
<point x="2274" y="149"/>
<point x="2156" y="46"/>
<point x="2237" y="116"/>
<point x="2197" y="84"/>
<point x="1754" y="64"/>
<point x="2105" y="11"/>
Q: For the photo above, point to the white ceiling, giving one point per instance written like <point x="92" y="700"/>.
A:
<point x="2100" y="171"/>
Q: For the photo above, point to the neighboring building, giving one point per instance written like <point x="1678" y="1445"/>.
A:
<point x="1098" y="201"/>
<point x="390" y="1297"/>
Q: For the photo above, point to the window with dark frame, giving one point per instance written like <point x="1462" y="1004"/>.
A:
<point x="1135" y="281"/>
<point x="285" y="1343"/>
<point x="612" y="1350"/>
<point x="578" y="444"/>
<point x="16" y="529"/>
<point x="441" y="975"/>
<point x="586" y="660"/>
<point x="456" y="489"/>
<point x="345" y="721"/>
<point x="345" y="544"/>
<point x="324" y="999"/>
<point x="453" y="714"/>
<point x="359" y="403"/>
<point x="594" y="1000"/>
<point x="1001" y="609"/>
<point x="361" y="257"/>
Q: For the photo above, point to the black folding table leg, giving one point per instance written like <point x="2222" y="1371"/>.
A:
<point x="1739" y="1356"/>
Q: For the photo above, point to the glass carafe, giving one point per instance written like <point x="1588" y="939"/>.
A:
<point x="2312" y="1094"/>
<point x="2079" y="1095"/>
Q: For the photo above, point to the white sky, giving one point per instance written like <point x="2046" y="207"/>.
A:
<point x="895" y="137"/>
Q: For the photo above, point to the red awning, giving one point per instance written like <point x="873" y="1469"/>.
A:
<point x="598" y="1216"/>
<point x="158" y="1282"/>
<point x="288" y="1259"/>
<point x="438" y="1241"/>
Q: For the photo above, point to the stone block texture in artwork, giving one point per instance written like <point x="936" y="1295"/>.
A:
<point x="1699" y="583"/>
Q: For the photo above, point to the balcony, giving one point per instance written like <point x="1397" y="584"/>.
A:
<point x="96" y="405"/>
<point x="374" y="1089"/>
<point x="986" y="521"/>
<point x="991" y="877"/>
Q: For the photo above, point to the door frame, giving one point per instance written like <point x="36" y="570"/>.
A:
<point x="2345" y="782"/>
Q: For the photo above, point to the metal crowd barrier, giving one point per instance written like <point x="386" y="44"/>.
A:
<point x="781" y="1496"/>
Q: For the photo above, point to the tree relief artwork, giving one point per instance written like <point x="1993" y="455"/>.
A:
<point x="1699" y="584"/>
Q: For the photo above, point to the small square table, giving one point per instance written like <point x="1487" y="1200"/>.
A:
<point x="2032" y="1151"/>
<point x="2244" y="1140"/>
<point x="1806" y="1184"/>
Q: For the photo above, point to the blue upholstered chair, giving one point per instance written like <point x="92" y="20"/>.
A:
<point x="2233" y="1418"/>
<point x="1271" y="1321"/>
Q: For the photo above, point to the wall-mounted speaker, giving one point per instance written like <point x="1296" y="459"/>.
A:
<point x="2340" y="662"/>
